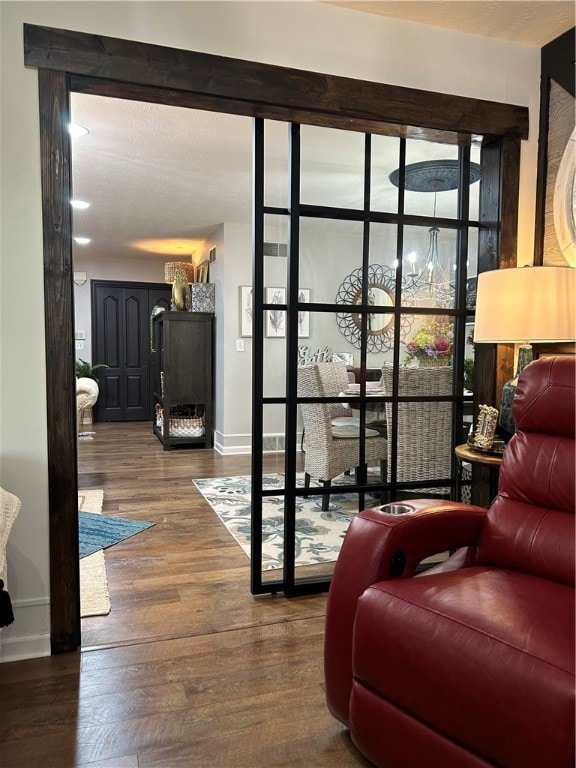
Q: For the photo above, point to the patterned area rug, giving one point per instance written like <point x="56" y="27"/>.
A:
<point x="319" y="534"/>
<point x="94" y="596"/>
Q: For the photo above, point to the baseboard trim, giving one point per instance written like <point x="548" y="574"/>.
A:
<point x="21" y="640"/>
<point x="19" y="648"/>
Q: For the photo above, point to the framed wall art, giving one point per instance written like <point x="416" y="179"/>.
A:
<point x="202" y="272"/>
<point x="303" y="316"/>
<point x="275" y="318"/>
<point x="246" y="308"/>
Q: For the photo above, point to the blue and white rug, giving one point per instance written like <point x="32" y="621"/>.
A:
<point x="101" y="531"/>
<point x="319" y="534"/>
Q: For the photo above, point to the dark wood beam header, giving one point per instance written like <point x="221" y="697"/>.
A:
<point x="278" y="92"/>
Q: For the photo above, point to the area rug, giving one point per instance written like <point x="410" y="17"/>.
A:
<point x="101" y="531"/>
<point x="94" y="596"/>
<point x="319" y="534"/>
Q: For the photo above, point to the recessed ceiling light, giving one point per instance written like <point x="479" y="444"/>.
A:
<point x="77" y="130"/>
<point x="81" y="204"/>
<point x="82" y="240"/>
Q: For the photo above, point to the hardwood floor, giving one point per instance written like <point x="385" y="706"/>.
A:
<point x="189" y="669"/>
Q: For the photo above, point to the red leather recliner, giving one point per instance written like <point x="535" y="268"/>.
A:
<point x="473" y="666"/>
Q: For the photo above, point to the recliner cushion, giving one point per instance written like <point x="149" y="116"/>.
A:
<point x="483" y="658"/>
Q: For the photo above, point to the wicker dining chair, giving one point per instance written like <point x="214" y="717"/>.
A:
<point x="334" y="380"/>
<point x="328" y="452"/>
<point x="424" y="444"/>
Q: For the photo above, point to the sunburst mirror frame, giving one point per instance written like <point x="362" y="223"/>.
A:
<point x="381" y="278"/>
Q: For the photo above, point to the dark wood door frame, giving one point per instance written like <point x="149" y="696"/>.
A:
<point x="73" y="61"/>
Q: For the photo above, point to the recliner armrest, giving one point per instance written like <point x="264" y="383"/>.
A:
<point x="378" y="547"/>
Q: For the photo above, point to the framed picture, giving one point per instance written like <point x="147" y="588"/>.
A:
<point x="303" y="317"/>
<point x="275" y="318"/>
<point x="202" y="272"/>
<point x="246" y="308"/>
<point x="486" y="427"/>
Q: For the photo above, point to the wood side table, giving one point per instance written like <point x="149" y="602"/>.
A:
<point x="490" y="470"/>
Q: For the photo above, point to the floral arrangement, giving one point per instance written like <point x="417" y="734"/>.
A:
<point x="432" y="342"/>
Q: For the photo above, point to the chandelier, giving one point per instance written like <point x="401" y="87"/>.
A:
<point x="433" y="282"/>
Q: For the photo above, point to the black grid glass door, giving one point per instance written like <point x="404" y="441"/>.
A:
<point x="365" y="257"/>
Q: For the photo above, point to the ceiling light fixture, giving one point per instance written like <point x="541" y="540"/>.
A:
<point x="434" y="280"/>
<point x="80" y="204"/>
<point x="82" y="240"/>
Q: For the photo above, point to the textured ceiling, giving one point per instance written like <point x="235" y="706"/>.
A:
<point x="530" y="22"/>
<point x="161" y="179"/>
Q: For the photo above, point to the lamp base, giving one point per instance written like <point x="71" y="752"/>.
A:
<point x="506" y="425"/>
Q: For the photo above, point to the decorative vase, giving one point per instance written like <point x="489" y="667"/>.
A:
<point x="180" y="291"/>
<point x="203" y="297"/>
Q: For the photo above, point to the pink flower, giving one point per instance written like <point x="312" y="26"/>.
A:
<point x="442" y="347"/>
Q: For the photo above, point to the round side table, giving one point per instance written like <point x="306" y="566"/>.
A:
<point x="492" y="461"/>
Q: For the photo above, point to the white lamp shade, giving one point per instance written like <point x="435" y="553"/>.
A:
<point x="526" y="304"/>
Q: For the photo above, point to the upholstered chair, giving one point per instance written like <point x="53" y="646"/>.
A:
<point x="424" y="446"/>
<point x="331" y="450"/>
<point x="87" y="392"/>
<point x="334" y="380"/>
<point x="471" y="663"/>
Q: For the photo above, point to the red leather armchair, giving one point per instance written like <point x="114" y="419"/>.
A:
<point x="471" y="663"/>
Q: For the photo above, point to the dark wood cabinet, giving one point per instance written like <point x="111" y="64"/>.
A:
<point x="183" y="378"/>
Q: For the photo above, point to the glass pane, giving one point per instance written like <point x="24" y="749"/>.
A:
<point x="385" y="159"/>
<point x="332" y="167"/>
<point x="429" y="267"/>
<point x="273" y="430"/>
<point x="329" y="251"/>
<point x="319" y="534"/>
<point x="474" y="208"/>
<point x="431" y="179"/>
<point x="472" y="268"/>
<point x="424" y="429"/>
<point x="276" y="230"/>
<point x="276" y="144"/>
<point x="318" y="335"/>
<point x="274" y="357"/>
<point x="428" y="342"/>
<point x="384" y="245"/>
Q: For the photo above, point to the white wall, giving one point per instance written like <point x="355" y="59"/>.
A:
<point x="134" y="270"/>
<point x="300" y="34"/>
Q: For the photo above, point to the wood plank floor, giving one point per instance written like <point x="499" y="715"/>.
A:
<point x="189" y="669"/>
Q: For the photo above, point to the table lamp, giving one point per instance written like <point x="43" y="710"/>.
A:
<point x="524" y="305"/>
<point x="180" y="274"/>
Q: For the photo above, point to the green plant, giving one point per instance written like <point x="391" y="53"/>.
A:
<point x="469" y="374"/>
<point x="86" y="370"/>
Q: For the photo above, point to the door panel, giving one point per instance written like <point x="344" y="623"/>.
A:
<point x="121" y="330"/>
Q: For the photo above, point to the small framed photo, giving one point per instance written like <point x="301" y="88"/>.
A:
<point x="486" y="427"/>
<point x="201" y="275"/>
<point x="275" y="318"/>
<point x="303" y="316"/>
<point x="246" y="309"/>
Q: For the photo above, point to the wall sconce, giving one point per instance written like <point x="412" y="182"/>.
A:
<point x="524" y="305"/>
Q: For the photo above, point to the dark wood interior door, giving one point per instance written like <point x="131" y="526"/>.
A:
<point x="121" y="339"/>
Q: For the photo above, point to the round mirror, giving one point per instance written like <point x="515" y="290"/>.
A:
<point x="379" y="297"/>
<point x="380" y="325"/>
